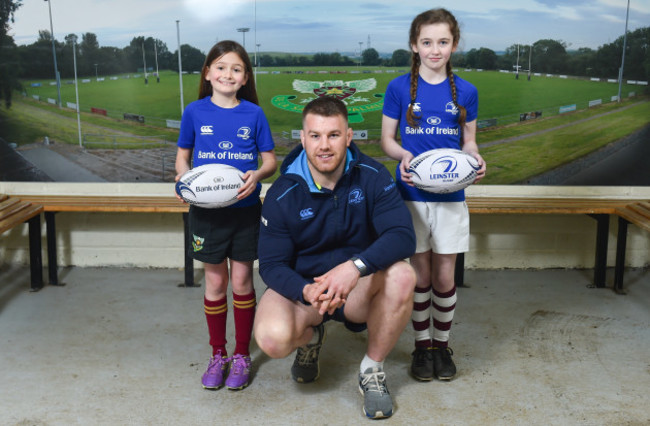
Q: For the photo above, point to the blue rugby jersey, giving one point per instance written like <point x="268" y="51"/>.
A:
<point x="438" y="124"/>
<point x="232" y="136"/>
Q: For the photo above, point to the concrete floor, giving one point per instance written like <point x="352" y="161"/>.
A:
<point x="128" y="347"/>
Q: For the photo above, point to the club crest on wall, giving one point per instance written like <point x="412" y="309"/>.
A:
<point x="350" y="92"/>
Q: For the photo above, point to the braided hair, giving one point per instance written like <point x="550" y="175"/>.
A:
<point x="433" y="16"/>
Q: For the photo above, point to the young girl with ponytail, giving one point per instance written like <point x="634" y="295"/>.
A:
<point x="432" y="108"/>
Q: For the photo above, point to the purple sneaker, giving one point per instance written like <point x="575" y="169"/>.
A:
<point x="240" y="368"/>
<point x="213" y="376"/>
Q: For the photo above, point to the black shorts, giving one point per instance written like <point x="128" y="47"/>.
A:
<point x="217" y="234"/>
<point x="339" y="317"/>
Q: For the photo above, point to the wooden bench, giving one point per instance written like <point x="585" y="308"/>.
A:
<point x="629" y="211"/>
<point x="14" y="212"/>
<point x="637" y="213"/>
<point x="53" y="204"/>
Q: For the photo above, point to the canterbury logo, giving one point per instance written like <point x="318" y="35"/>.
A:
<point x="206" y="130"/>
<point x="306" y="213"/>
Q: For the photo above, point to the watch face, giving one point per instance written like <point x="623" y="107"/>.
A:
<point x="360" y="265"/>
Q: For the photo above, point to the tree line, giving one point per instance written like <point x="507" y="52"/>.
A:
<point x="545" y="56"/>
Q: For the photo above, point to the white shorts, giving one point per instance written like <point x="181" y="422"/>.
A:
<point x="440" y="227"/>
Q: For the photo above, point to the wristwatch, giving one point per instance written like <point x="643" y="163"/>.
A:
<point x="363" y="269"/>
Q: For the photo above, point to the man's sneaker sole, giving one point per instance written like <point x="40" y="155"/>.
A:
<point x="378" y="414"/>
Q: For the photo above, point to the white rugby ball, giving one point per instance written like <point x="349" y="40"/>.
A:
<point x="210" y="186"/>
<point x="443" y="170"/>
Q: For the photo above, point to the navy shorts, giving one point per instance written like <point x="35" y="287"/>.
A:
<point x="217" y="234"/>
<point x="338" y="316"/>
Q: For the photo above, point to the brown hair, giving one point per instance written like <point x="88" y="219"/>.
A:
<point x="433" y="16"/>
<point x="247" y="91"/>
<point x="326" y="106"/>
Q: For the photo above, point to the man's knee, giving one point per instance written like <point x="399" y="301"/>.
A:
<point x="273" y="338"/>
<point x="400" y="281"/>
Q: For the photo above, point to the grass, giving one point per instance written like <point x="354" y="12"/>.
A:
<point x="500" y="95"/>
<point x="515" y="162"/>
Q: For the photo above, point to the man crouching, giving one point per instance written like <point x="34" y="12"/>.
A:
<point x="333" y="235"/>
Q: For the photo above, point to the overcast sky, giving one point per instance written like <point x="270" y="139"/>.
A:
<point x="329" y="26"/>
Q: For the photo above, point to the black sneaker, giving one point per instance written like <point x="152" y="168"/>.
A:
<point x="305" y="367"/>
<point x="377" y="403"/>
<point x="422" y="364"/>
<point x="443" y="365"/>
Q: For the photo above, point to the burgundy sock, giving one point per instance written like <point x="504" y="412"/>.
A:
<point x="243" y="307"/>
<point x="216" y="313"/>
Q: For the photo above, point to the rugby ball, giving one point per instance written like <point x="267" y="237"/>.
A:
<point x="443" y="170"/>
<point x="210" y="186"/>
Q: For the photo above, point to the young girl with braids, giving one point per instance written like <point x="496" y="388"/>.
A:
<point x="432" y="108"/>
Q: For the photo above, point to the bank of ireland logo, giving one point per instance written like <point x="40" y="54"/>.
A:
<point x="433" y="121"/>
<point x="350" y="92"/>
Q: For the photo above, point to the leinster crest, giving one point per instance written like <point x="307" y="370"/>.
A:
<point x="355" y="94"/>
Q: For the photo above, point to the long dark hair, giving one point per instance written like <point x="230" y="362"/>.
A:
<point x="433" y="16"/>
<point x="247" y="91"/>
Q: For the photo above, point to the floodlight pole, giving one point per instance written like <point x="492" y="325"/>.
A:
<point x="144" y="64"/>
<point x="244" y="30"/>
<point x="155" y="49"/>
<point x="360" y="52"/>
<point x="56" y="68"/>
<point x="620" y="71"/>
<point x="180" y="65"/>
<point x="530" y="55"/>
<point x="255" y="37"/>
<point x="517" y="65"/>
<point x="76" y="86"/>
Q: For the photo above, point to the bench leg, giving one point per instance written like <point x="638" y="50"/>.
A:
<point x="621" y="242"/>
<point x="459" y="271"/>
<point x="602" y="234"/>
<point x="35" y="255"/>
<point x="52" y="266"/>
<point x="189" y="262"/>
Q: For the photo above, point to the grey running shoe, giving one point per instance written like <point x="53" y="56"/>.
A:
<point x="443" y="365"/>
<point x="422" y="364"/>
<point x="377" y="402"/>
<point x="305" y="367"/>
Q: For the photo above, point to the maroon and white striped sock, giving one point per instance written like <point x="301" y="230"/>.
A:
<point x="421" y="317"/>
<point x="444" y="305"/>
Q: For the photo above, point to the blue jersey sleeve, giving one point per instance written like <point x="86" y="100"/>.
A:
<point x="187" y="134"/>
<point x="392" y="105"/>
